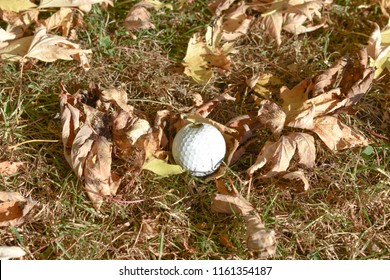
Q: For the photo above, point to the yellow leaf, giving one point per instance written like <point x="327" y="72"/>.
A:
<point x="16" y="5"/>
<point x="161" y="167"/>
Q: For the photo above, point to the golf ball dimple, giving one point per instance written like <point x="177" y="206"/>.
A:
<point x="199" y="148"/>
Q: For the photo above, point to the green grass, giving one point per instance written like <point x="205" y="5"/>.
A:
<point x="343" y="216"/>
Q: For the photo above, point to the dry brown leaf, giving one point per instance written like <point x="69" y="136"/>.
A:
<point x="5" y="36"/>
<point x="336" y="135"/>
<point x="306" y="149"/>
<point x="60" y="19"/>
<point x="273" y="25"/>
<point x="385" y="4"/>
<point x="236" y="22"/>
<point x="206" y="108"/>
<point x="14" y="208"/>
<point x="378" y="49"/>
<point x="86" y="147"/>
<point x="275" y="154"/>
<point x="8" y="168"/>
<point x="117" y="96"/>
<point x="138" y="18"/>
<point x="298" y="175"/>
<point x="229" y="204"/>
<point x="218" y="6"/>
<point x="294" y="16"/>
<point x="258" y="238"/>
<point x="49" y="48"/>
<point x="271" y="116"/>
<point x="44" y="47"/>
<point x="99" y="182"/>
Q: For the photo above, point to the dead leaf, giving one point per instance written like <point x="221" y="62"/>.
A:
<point x="205" y="53"/>
<point x="236" y="22"/>
<point x="228" y="204"/>
<point x="49" y="48"/>
<point x="276" y="154"/>
<point x="60" y="19"/>
<point x="8" y="168"/>
<point x="87" y="150"/>
<point x="117" y="96"/>
<point x="218" y="6"/>
<point x="14" y="208"/>
<point x="294" y="16"/>
<point x="138" y="18"/>
<point x="271" y="116"/>
<point x="5" y="36"/>
<point x="99" y="182"/>
<point x="258" y="238"/>
<point x="11" y="252"/>
<point x="273" y="25"/>
<point x="207" y="107"/>
<point x="306" y="149"/>
<point x="44" y="47"/>
<point x="298" y="175"/>
<point x="336" y="135"/>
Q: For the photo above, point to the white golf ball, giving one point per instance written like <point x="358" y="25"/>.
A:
<point x="199" y="148"/>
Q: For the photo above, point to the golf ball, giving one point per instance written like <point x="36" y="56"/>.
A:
<point x="199" y="148"/>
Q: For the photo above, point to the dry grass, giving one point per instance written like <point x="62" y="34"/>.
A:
<point x="345" y="215"/>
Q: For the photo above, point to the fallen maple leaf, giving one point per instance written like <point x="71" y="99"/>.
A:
<point x="291" y="16"/>
<point x="205" y="53"/>
<point x="11" y="252"/>
<point x="336" y="135"/>
<point x="45" y="47"/>
<point x="276" y="156"/>
<point x="14" y="208"/>
<point x="8" y="168"/>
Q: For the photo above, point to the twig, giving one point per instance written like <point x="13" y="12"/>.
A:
<point x="31" y="141"/>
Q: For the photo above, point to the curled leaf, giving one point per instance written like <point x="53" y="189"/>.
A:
<point x="14" y="208"/>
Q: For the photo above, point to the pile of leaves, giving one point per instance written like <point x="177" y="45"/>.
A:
<point x="99" y="127"/>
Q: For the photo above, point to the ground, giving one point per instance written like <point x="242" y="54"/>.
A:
<point x="344" y="215"/>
